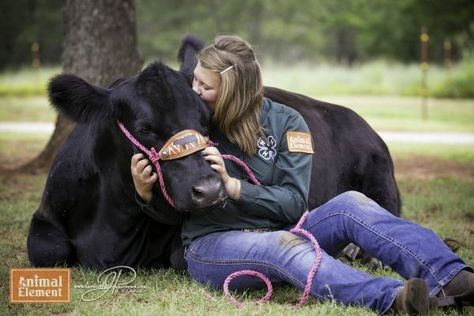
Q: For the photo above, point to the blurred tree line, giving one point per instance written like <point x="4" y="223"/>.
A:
<point x="24" y="22"/>
<point x="343" y="31"/>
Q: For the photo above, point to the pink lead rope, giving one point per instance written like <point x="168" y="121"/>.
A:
<point x="244" y="166"/>
<point x="297" y="230"/>
<point x="154" y="157"/>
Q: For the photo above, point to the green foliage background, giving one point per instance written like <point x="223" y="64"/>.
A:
<point x="343" y="31"/>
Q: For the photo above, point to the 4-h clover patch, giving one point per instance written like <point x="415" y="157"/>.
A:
<point x="267" y="147"/>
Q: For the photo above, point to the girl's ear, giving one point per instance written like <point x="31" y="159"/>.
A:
<point x="77" y="99"/>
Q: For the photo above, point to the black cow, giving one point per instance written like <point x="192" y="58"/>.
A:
<point x="89" y="214"/>
<point x="349" y="155"/>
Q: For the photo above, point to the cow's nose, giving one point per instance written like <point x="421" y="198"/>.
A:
<point x="208" y="192"/>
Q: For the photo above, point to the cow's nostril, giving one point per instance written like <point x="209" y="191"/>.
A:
<point x="207" y="192"/>
<point x="199" y="190"/>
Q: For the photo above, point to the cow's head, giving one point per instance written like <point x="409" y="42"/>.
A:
<point x="154" y="105"/>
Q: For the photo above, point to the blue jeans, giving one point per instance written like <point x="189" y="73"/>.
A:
<point x="411" y="250"/>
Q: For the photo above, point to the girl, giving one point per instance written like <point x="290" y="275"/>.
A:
<point x="250" y="231"/>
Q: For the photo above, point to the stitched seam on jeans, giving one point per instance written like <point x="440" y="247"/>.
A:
<point x="364" y="224"/>
<point x="245" y="261"/>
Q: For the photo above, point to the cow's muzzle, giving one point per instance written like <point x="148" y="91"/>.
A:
<point x="208" y="192"/>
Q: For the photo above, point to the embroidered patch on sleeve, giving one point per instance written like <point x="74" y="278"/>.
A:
<point x="299" y="142"/>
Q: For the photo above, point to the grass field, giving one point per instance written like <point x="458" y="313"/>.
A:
<point x="436" y="182"/>
<point x="394" y="113"/>
<point x="445" y="204"/>
<point x="377" y="77"/>
<point x="384" y="113"/>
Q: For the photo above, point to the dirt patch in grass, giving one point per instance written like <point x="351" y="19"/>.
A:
<point x="15" y="153"/>
<point x="427" y="168"/>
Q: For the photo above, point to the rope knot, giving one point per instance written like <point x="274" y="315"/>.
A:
<point x="154" y="155"/>
<point x="211" y="143"/>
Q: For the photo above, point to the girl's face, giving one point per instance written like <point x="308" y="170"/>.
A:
<point x="206" y="84"/>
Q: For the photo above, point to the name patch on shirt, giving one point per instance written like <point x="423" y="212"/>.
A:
<point x="299" y="142"/>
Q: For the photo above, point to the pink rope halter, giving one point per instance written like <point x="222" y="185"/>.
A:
<point x="154" y="157"/>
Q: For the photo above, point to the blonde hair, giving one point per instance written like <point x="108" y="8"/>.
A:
<point x="237" y="108"/>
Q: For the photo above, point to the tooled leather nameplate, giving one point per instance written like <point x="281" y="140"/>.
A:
<point x="183" y="144"/>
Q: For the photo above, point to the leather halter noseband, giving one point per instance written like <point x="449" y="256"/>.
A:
<point x="183" y="144"/>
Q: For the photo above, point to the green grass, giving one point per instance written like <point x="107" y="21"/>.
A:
<point x="456" y="153"/>
<point x="26" y="109"/>
<point x="444" y="205"/>
<point x="17" y="149"/>
<point x="378" y="77"/>
<point x="457" y="84"/>
<point x="390" y="93"/>
<point x="384" y="113"/>
<point x="26" y="81"/>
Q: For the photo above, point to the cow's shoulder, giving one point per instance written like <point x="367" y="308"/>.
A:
<point x="71" y="182"/>
<point x="304" y="104"/>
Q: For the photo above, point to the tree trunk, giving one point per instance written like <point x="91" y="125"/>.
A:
<point x="100" y="46"/>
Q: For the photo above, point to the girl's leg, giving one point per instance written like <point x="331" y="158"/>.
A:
<point x="285" y="257"/>
<point x="411" y="250"/>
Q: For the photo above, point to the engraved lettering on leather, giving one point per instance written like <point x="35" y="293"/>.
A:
<point x="183" y="144"/>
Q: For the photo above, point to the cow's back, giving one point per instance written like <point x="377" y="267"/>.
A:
<point x="349" y="155"/>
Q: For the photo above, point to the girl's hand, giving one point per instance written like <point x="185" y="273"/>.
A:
<point x="143" y="176"/>
<point x="232" y="185"/>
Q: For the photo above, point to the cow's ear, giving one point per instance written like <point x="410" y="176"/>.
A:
<point x="77" y="99"/>
<point x="190" y="47"/>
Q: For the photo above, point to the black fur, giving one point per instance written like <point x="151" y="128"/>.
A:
<point x="77" y="99"/>
<point x="188" y="50"/>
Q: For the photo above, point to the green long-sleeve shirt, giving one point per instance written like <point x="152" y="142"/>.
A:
<point x="283" y="166"/>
